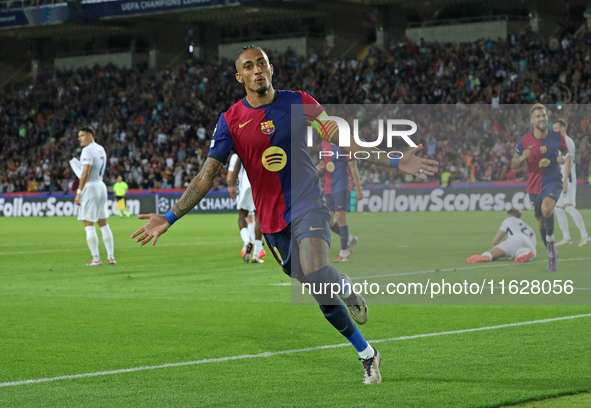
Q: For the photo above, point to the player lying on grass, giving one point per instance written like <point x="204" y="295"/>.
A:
<point x="520" y="244"/>
<point x="270" y="139"/>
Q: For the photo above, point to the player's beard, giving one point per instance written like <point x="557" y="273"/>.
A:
<point x="262" y="89"/>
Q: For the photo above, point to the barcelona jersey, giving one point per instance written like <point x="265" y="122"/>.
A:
<point x="271" y="142"/>
<point x="336" y="169"/>
<point x="542" y="168"/>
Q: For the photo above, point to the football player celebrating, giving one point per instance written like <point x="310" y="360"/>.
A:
<point x="540" y="149"/>
<point x="267" y="129"/>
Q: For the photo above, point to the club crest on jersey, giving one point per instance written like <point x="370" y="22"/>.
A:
<point x="543" y="149"/>
<point x="274" y="158"/>
<point x="267" y="127"/>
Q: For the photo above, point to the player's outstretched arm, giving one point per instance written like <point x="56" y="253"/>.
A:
<point x="417" y="166"/>
<point x="156" y="226"/>
<point x="200" y="185"/>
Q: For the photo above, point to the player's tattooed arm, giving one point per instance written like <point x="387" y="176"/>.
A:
<point x="198" y="188"/>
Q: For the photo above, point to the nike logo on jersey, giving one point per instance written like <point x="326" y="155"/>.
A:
<point x="241" y="125"/>
<point x="529" y="147"/>
<point x="315" y="229"/>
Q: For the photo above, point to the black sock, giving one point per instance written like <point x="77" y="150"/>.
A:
<point x="338" y="316"/>
<point x="335" y="228"/>
<point x="332" y="307"/>
<point x="344" y="237"/>
<point x="549" y="224"/>
<point x="543" y="234"/>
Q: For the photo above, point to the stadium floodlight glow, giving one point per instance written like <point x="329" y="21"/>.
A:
<point x="191" y="48"/>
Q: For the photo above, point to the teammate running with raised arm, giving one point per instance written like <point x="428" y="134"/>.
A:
<point x="267" y="129"/>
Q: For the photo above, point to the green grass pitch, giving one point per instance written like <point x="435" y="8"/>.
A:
<point x="191" y="298"/>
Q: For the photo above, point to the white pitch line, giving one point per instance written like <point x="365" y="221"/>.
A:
<point x="136" y="245"/>
<point x="277" y="353"/>
<point x="463" y="268"/>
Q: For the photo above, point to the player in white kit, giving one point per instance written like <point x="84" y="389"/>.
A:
<point x="252" y="251"/>
<point x="520" y="244"/>
<point x="91" y="195"/>
<point x="568" y="199"/>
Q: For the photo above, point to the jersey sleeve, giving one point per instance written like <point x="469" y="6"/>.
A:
<point x="519" y="148"/>
<point x="85" y="157"/>
<point x="221" y="142"/>
<point x="314" y="114"/>
<point x="505" y="225"/>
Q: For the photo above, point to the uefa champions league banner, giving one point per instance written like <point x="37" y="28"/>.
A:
<point x="31" y="16"/>
<point x="110" y="8"/>
<point x="213" y="203"/>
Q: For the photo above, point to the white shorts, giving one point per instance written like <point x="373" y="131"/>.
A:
<point x="514" y="244"/>
<point x="93" y="202"/>
<point x="570" y="197"/>
<point x="244" y="199"/>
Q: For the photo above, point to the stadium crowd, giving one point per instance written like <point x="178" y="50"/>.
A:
<point x="469" y="100"/>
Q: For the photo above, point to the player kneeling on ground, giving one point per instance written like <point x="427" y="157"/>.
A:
<point x="519" y="245"/>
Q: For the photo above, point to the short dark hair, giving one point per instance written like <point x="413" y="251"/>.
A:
<point x="88" y="129"/>
<point x="562" y="123"/>
<point x="514" y="212"/>
<point x="246" y="48"/>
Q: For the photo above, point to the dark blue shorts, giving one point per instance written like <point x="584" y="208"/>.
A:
<point x="553" y="191"/>
<point x="284" y="245"/>
<point x="340" y="201"/>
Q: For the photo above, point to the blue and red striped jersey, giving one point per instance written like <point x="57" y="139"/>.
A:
<point x="271" y="142"/>
<point x="337" y="177"/>
<point x="542" y="168"/>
